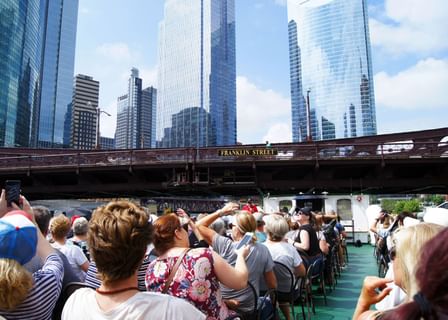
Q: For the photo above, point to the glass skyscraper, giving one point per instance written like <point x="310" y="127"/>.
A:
<point x="330" y="64"/>
<point x="57" y="75"/>
<point x="196" y="98"/>
<point x="22" y="25"/>
<point x="127" y="134"/>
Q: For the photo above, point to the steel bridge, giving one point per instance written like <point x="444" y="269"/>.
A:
<point x="404" y="163"/>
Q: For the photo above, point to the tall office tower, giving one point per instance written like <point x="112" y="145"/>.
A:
<point x="196" y="98"/>
<point x="57" y="75"/>
<point x="148" y="118"/>
<point x="84" y="112"/>
<point x="127" y="134"/>
<point x="22" y="25"/>
<point x="330" y="63"/>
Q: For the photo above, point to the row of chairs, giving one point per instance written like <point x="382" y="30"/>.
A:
<point x="325" y="271"/>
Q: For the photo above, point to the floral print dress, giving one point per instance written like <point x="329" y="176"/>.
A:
<point x="194" y="281"/>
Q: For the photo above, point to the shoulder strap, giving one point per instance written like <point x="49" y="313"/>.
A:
<point x="174" y="270"/>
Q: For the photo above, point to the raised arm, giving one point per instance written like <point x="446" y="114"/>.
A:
<point x="202" y="225"/>
<point x="181" y="213"/>
<point x="232" y="277"/>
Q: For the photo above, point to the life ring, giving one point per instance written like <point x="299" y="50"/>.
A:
<point x="359" y="198"/>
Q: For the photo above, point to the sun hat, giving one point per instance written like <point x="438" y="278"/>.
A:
<point x="18" y="237"/>
<point x="437" y="216"/>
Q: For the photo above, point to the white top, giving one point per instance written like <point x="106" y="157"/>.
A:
<point x="82" y="304"/>
<point x="75" y="257"/>
<point x="395" y="297"/>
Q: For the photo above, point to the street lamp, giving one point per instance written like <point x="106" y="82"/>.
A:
<point x="98" y="115"/>
<point x="308" y="114"/>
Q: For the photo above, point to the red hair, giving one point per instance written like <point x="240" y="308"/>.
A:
<point x="164" y="228"/>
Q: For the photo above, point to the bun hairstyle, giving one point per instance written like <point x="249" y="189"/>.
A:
<point x="164" y="228"/>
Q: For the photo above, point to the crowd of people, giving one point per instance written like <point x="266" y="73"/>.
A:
<point x="133" y="265"/>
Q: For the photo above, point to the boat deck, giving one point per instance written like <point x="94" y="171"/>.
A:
<point x="341" y="302"/>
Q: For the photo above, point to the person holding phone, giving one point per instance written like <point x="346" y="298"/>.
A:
<point x="25" y="295"/>
<point x="259" y="260"/>
<point x="12" y="189"/>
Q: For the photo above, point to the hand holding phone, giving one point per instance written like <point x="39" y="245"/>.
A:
<point x="12" y="189"/>
<point x="247" y="238"/>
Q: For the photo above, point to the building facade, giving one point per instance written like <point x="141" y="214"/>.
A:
<point x="196" y="74"/>
<point x="148" y="118"/>
<point x="107" y="143"/>
<point x="57" y="75"/>
<point x="84" y="113"/>
<point x="330" y="64"/>
<point x="22" y="25"/>
<point x="127" y="134"/>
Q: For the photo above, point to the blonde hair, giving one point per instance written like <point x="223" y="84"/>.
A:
<point x="15" y="284"/>
<point x="409" y="242"/>
<point x="276" y="227"/>
<point x="246" y="222"/>
<point x="59" y="227"/>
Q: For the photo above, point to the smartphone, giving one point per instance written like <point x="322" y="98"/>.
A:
<point x="12" y="189"/>
<point x="247" y="238"/>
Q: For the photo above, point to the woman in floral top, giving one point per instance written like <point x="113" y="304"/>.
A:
<point x="198" y="277"/>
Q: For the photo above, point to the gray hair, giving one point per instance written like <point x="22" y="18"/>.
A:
<point x="276" y="227"/>
<point x="219" y="226"/>
<point x="80" y="226"/>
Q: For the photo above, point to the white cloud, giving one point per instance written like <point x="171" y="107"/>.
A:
<point x="422" y="86"/>
<point x="278" y="132"/>
<point x="412" y="27"/>
<point x="149" y="76"/>
<point x="108" y="123"/>
<point x="117" y="51"/>
<point x="261" y="113"/>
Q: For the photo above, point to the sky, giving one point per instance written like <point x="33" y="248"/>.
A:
<point x="409" y="41"/>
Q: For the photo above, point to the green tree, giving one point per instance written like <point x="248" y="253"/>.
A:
<point x="388" y="204"/>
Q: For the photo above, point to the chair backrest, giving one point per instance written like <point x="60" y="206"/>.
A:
<point x="66" y="292"/>
<point x="285" y="277"/>
<point x="315" y="269"/>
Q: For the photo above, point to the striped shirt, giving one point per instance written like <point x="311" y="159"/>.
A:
<point x="43" y="296"/>
<point x="92" y="274"/>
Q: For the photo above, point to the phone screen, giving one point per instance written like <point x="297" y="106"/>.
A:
<point x="246" y="239"/>
<point x="12" y="189"/>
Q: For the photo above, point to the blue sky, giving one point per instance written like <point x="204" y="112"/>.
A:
<point x="409" y="47"/>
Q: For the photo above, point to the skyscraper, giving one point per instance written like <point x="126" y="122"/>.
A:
<point x="22" y="25"/>
<point x="148" y="118"/>
<point x="196" y="98"/>
<point x="57" y="75"/>
<point x="136" y="115"/>
<point x="330" y="59"/>
<point x="84" y="112"/>
<point x="127" y="134"/>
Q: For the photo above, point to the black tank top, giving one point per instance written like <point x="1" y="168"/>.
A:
<point x="314" y="242"/>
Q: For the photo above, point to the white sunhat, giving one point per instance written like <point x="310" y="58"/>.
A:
<point x="437" y="216"/>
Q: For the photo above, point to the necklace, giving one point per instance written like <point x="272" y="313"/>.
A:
<point x="116" y="291"/>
